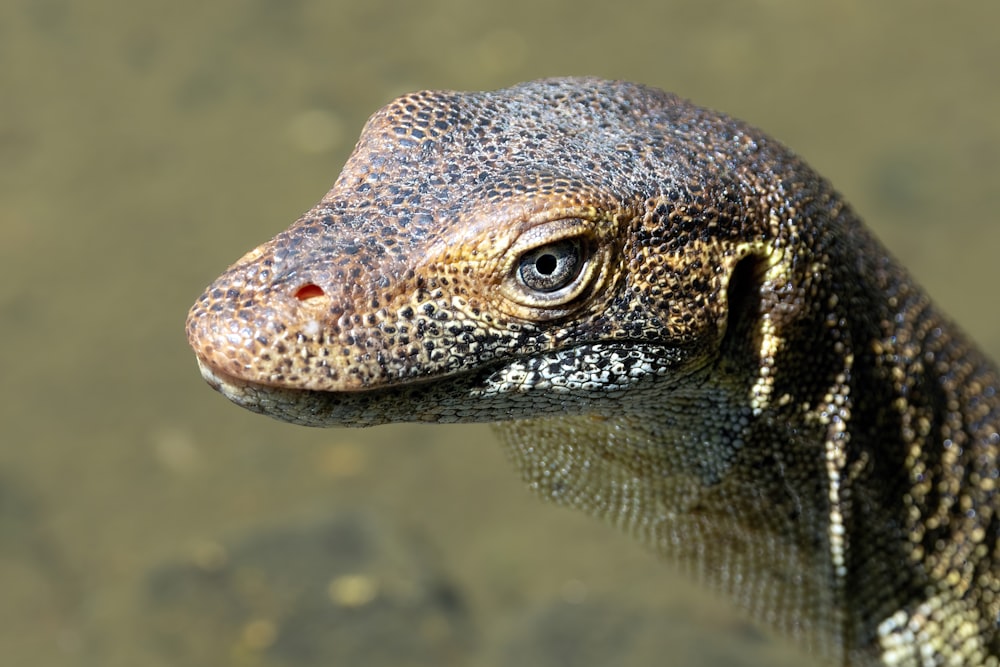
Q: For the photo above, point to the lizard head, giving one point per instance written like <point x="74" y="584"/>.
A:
<point x="547" y="248"/>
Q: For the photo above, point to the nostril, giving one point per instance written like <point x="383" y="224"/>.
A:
<point x="309" y="291"/>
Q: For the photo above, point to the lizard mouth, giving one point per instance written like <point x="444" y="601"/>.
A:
<point x="308" y="407"/>
<point x="417" y="400"/>
<point x="220" y="381"/>
<point x="580" y="379"/>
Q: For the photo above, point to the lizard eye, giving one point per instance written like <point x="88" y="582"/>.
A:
<point x="551" y="267"/>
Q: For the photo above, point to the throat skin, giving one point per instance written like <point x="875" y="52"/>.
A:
<point x="675" y="325"/>
<point x="743" y="537"/>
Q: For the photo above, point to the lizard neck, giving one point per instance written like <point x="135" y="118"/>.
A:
<point x="816" y="541"/>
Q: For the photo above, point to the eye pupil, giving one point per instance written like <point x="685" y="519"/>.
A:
<point x="546" y="264"/>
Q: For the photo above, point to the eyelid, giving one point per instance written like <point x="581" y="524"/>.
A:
<point x="522" y="301"/>
<point x="544" y="234"/>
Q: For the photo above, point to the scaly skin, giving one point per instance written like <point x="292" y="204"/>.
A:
<point x="677" y="325"/>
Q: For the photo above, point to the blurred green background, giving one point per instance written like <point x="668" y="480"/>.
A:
<point x="146" y="145"/>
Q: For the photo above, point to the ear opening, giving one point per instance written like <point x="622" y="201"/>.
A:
<point x="743" y="299"/>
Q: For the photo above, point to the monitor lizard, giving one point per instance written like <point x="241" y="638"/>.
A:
<point x="676" y="325"/>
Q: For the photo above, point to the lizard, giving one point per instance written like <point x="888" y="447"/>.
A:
<point x="675" y="324"/>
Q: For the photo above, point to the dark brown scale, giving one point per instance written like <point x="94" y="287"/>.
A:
<point x="735" y="371"/>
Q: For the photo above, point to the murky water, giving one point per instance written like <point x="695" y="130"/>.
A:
<point x="144" y="146"/>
